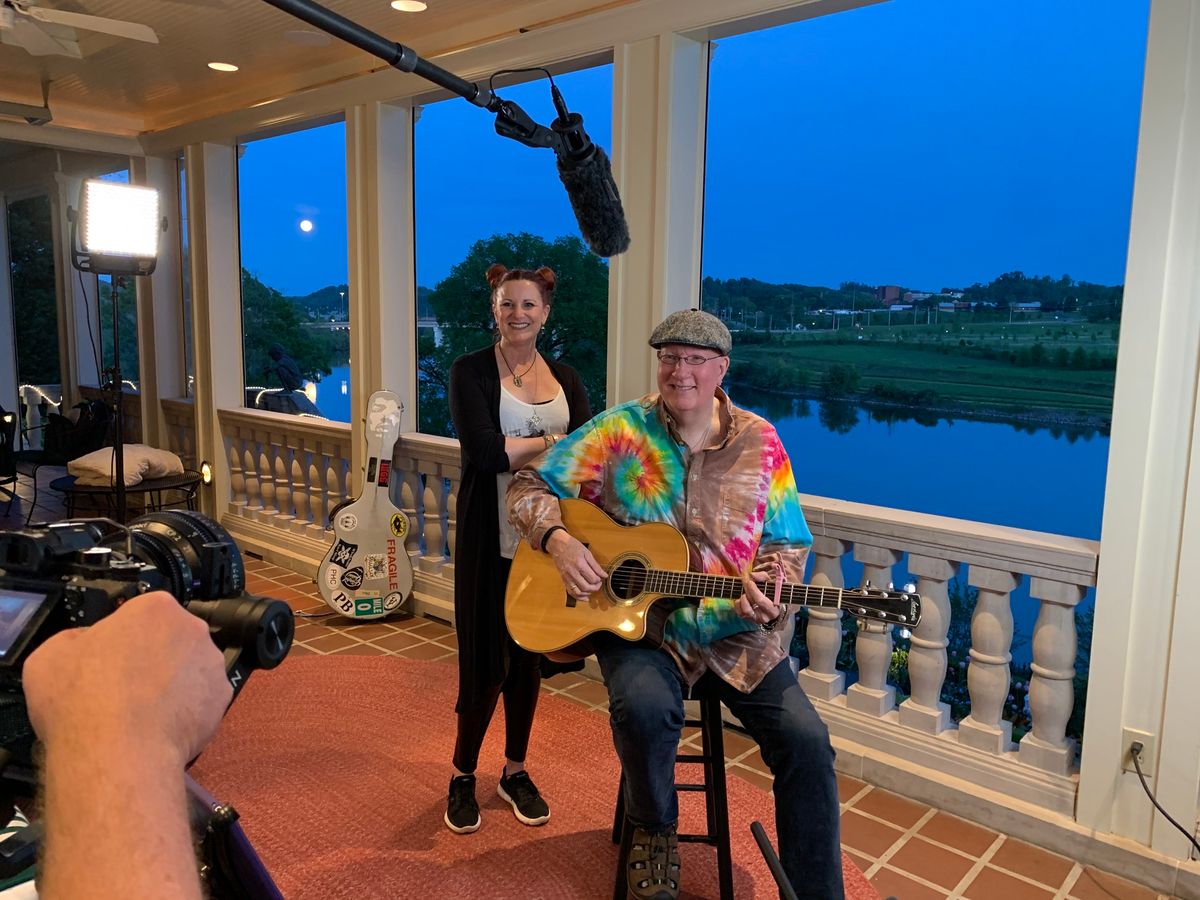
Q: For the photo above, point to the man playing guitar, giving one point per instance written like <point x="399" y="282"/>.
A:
<point x="719" y="474"/>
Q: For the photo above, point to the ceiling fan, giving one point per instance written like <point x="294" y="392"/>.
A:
<point x="42" y="31"/>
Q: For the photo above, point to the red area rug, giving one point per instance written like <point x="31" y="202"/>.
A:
<point x="339" y="766"/>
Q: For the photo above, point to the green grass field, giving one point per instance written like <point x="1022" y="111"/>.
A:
<point x="947" y="361"/>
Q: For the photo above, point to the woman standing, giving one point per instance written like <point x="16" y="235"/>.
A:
<point x="508" y="404"/>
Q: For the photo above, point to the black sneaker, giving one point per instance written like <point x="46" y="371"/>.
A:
<point x="528" y="805"/>
<point x="462" y="812"/>
<point x="653" y="870"/>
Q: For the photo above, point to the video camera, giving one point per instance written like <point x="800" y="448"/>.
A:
<point x="75" y="573"/>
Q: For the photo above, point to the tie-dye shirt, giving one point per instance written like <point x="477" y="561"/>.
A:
<point x="735" y="502"/>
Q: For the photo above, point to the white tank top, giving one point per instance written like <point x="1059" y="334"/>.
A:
<point x="521" y="419"/>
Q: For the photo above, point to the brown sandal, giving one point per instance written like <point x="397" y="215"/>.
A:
<point x="653" y="871"/>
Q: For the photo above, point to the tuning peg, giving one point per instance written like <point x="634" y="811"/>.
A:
<point x="891" y="585"/>
<point x="910" y="588"/>
<point x="867" y="586"/>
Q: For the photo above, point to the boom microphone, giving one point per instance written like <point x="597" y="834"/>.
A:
<point x="586" y="173"/>
<point x="583" y="167"/>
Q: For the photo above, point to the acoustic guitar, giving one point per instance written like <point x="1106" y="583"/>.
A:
<point x="366" y="573"/>
<point x="647" y="564"/>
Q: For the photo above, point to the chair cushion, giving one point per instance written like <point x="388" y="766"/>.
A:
<point x="141" y="461"/>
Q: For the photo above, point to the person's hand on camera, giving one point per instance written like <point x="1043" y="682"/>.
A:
<point x="120" y="708"/>
<point x="148" y="675"/>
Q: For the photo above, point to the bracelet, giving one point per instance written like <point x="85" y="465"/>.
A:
<point x="549" y="440"/>
<point x="769" y="627"/>
<point x="550" y="531"/>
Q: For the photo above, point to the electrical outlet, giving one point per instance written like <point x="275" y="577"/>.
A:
<point x="1145" y="758"/>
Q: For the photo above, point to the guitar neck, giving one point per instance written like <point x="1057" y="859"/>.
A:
<point x="696" y="584"/>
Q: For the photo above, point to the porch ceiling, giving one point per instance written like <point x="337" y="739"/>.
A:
<point x="130" y="87"/>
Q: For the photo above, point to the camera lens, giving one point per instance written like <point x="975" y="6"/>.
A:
<point x="197" y="557"/>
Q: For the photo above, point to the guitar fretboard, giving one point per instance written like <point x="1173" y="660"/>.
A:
<point x="696" y="584"/>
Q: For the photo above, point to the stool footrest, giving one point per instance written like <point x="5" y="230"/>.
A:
<point x="692" y="758"/>
<point x="691" y="787"/>
<point x="709" y="839"/>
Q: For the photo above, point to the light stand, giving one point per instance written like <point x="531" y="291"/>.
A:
<point x="120" y="228"/>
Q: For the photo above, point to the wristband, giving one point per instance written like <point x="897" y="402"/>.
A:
<point x="550" y="531"/>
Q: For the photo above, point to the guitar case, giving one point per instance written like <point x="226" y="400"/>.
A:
<point x="367" y="573"/>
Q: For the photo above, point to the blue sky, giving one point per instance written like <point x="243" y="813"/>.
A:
<point x="928" y="143"/>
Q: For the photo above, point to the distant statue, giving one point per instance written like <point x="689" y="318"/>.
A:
<point x="284" y="368"/>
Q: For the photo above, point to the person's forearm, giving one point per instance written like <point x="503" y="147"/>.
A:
<point x="521" y="450"/>
<point x="116" y="823"/>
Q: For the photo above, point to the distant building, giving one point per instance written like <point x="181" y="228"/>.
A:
<point x="916" y="296"/>
<point x="888" y="293"/>
<point x="1030" y="306"/>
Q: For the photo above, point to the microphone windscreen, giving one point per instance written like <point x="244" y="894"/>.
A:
<point x="597" y="205"/>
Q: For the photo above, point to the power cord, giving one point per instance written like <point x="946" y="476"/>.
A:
<point x="1135" y="750"/>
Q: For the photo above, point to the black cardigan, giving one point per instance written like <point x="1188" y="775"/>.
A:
<point x="478" y="588"/>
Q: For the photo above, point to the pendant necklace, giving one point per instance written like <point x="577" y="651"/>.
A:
<point x="515" y="377"/>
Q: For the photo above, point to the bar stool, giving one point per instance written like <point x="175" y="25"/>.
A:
<point x="712" y="758"/>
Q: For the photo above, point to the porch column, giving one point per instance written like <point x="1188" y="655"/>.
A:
<point x="660" y="87"/>
<point x="383" y="292"/>
<point x="215" y="262"/>
<point x="159" y="304"/>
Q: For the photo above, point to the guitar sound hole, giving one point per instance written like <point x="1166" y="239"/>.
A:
<point x="628" y="579"/>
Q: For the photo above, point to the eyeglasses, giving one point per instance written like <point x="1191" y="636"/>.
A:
<point x="671" y="360"/>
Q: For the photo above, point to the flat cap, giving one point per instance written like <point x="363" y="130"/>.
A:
<point x="695" y="328"/>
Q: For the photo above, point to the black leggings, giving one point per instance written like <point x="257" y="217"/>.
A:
<point x="520" y="689"/>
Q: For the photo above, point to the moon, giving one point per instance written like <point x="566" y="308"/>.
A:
<point x="306" y="225"/>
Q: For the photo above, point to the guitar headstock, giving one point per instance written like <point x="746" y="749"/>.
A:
<point x="896" y="607"/>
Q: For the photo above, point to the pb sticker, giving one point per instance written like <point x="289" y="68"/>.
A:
<point x="399" y="525"/>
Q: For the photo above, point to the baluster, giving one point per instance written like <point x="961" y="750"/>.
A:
<point x="253" y="493"/>
<point x="266" y="475"/>
<point x="301" y="495"/>
<point x="435" y="535"/>
<point x="873" y="649"/>
<point x="283" y="483"/>
<point x="318" y="473"/>
<point x="454" y="475"/>
<point x="821" y="679"/>
<point x="337" y="482"/>
<point x="1052" y="689"/>
<point x="411" y="491"/>
<point x="988" y="674"/>
<point x="234" y="450"/>
<point x="924" y="710"/>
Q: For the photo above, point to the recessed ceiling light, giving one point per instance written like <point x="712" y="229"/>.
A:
<point x="410" y="5"/>
<point x="306" y="38"/>
<point x="223" y="67"/>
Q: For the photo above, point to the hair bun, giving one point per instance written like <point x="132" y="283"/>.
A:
<point x="495" y="274"/>
<point x="547" y="275"/>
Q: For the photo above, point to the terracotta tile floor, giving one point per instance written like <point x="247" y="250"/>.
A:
<point x="907" y="850"/>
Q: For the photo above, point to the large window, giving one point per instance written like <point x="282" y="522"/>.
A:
<point x="481" y="199"/>
<point x="295" y="318"/>
<point x="35" y="313"/>
<point x="920" y="246"/>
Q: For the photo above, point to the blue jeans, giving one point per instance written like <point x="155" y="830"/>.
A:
<point x="645" y="695"/>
